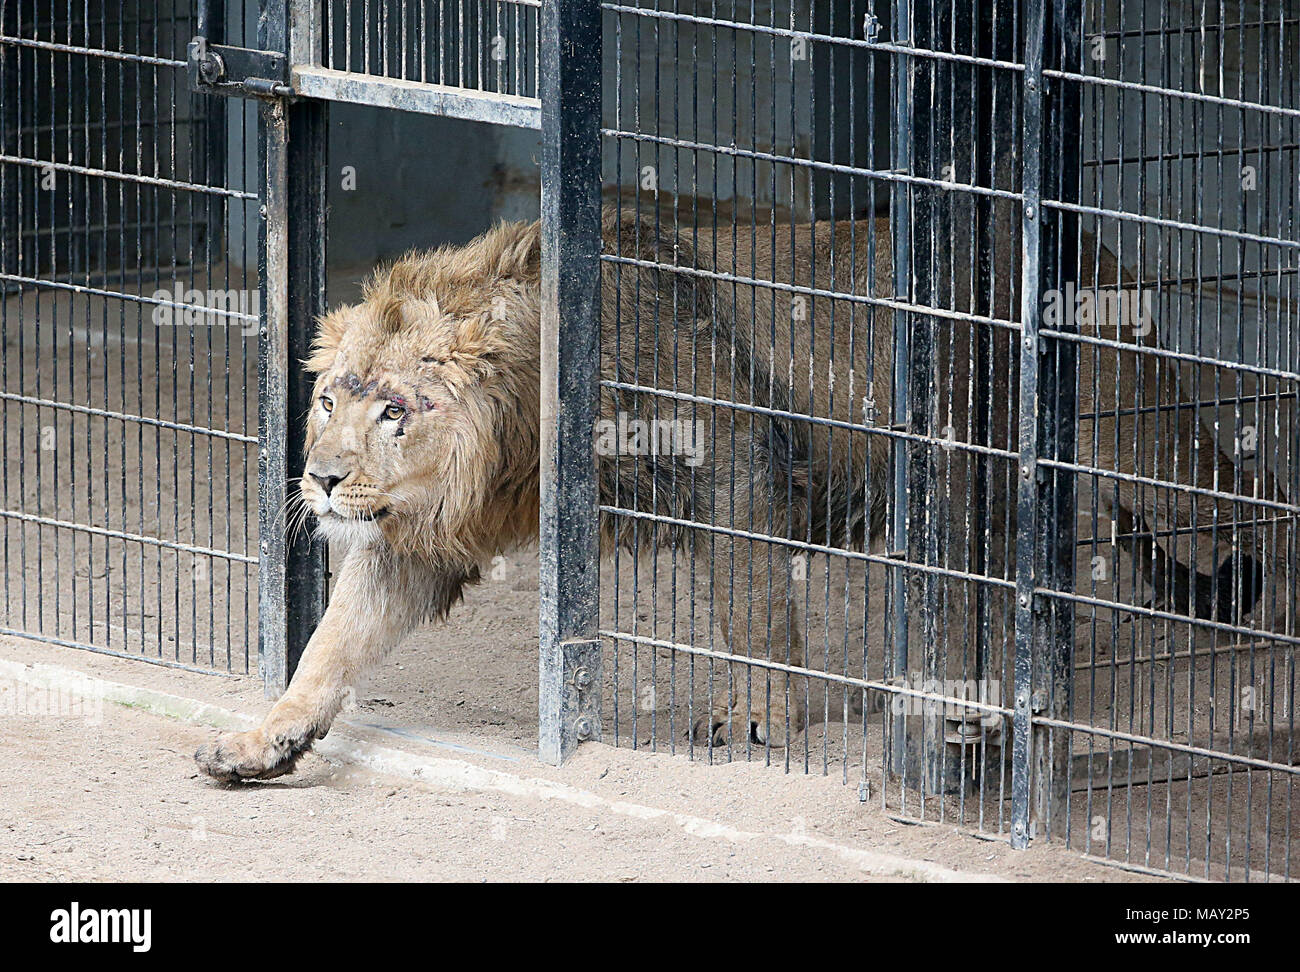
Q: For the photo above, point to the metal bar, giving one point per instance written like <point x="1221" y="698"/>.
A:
<point x="888" y="688"/>
<point x="904" y="50"/>
<point x="1196" y="96"/>
<point x="430" y="99"/>
<point x="569" y="665"/>
<point x="304" y="40"/>
<point x="917" y="358"/>
<point x="308" y="145"/>
<point x="121" y="535"/>
<point x="144" y="180"/>
<point x="128" y="417"/>
<point x="272" y="394"/>
<point x="776" y="285"/>
<point x="101" y="650"/>
<point x="1057" y="415"/>
<point x="812" y="420"/>
<point x="1027" y="491"/>
<point x="292" y="142"/>
<point x="119" y="295"/>
<point x="900" y="406"/>
<point x="773" y="539"/>
<point x="11" y="41"/>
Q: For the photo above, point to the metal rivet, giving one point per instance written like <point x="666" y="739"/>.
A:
<point x="582" y="728"/>
<point x="211" y="67"/>
<point x="582" y="678"/>
<point x="1030" y="212"/>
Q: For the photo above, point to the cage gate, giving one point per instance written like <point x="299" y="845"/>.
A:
<point x="128" y="505"/>
<point x="505" y="62"/>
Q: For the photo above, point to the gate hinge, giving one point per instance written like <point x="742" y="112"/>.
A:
<point x="237" y="72"/>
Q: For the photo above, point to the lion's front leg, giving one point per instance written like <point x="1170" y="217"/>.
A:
<point x="377" y="600"/>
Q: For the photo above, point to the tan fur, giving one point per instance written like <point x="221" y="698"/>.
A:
<point x="454" y="335"/>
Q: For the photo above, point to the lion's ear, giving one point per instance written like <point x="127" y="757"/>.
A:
<point x="330" y="329"/>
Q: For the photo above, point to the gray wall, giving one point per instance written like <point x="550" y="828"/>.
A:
<point x="420" y="181"/>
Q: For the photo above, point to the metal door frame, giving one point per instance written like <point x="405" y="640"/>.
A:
<point x="292" y="146"/>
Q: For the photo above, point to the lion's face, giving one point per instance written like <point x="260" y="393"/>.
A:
<point x="384" y="426"/>
<point x="418" y="388"/>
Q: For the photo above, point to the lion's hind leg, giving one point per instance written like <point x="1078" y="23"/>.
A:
<point x="761" y="703"/>
<point x="758" y="704"/>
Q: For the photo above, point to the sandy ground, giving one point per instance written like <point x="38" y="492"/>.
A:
<point x="124" y="805"/>
<point x="112" y="794"/>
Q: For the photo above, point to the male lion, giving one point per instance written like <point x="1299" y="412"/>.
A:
<point x="423" y="442"/>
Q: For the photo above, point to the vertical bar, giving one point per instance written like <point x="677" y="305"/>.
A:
<point x="308" y="140"/>
<point x="211" y="23"/>
<point x="922" y="102"/>
<point x="921" y="589"/>
<point x="900" y="225"/>
<point x="570" y="88"/>
<point x="1045" y="503"/>
<point x="305" y="45"/>
<point x="272" y="396"/>
<point x="292" y="142"/>
<point x="1053" y="637"/>
<point x="1027" y="491"/>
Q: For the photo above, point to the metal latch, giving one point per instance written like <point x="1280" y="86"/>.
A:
<point x="237" y="71"/>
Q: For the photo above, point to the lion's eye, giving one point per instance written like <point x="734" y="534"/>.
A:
<point x="394" y="412"/>
<point x="327" y="403"/>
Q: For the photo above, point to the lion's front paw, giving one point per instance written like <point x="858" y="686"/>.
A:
<point x="761" y="725"/>
<point x="253" y="755"/>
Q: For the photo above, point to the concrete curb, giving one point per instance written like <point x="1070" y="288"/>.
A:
<point x="344" y="745"/>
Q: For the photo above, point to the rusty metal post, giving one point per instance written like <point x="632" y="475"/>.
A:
<point x="569" y="691"/>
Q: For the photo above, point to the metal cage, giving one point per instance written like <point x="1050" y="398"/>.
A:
<point x="939" y="430"/>
<point x="130" y="324"/>
<point x="1028" y="562"/>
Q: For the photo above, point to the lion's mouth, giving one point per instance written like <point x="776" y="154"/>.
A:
<point x="369" y="516"/>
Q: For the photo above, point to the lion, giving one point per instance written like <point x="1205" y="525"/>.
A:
<point x="423" y="442"/>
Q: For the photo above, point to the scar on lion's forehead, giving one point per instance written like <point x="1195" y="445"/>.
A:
<point x="348" y="382"/>
<point x="372" y="388"/>
<point x="358" y="386"/>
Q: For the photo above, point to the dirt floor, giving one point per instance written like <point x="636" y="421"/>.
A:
<point x="109" y="792"/>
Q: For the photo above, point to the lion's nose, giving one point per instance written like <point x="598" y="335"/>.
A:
<point x="327" y="482"/>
